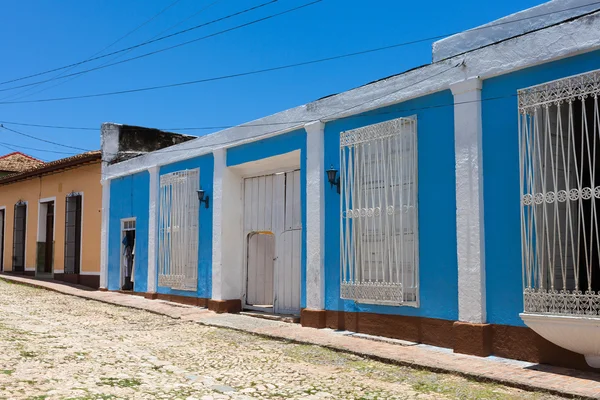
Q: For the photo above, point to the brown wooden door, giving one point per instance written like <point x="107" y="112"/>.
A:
<point x="49" y="248"/>
<point x="73" y="235"/>
<point x="19" y="237"/>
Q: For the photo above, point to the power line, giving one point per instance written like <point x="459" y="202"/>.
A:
<point x="36" y="149"/>
<point x="152" y="41"/>
<point x="255" y="72"/>
<point x="43" y="140"/>
<point x="171" y="47"/>
<point x="78" y="148"/>
<point x="113" y="58"/>
<point x="60" y="75"/>
<point x="251" y="125"/>
<point x="264" y="4"/>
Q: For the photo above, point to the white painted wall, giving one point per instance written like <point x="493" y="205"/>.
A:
<point x="227" y="270"/>
<point x="469" y="200"/>
<point x="104" y="233"/>
<point x="315" y="215"/>
<point x="153" y="228"/>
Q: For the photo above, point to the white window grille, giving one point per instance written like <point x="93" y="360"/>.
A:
<point x="178" y="230"/>
<point x="379" y="229"/>
<point x="559" y="144"/>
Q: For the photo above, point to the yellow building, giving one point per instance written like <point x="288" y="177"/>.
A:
<point x="50" y="220"/>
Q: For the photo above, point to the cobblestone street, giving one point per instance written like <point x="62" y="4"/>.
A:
<point x="54" y="346"/>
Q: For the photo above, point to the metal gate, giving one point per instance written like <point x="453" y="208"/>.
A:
<point x="273" y="228"/>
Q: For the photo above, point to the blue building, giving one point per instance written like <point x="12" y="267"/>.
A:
<point x="453" y="204"/>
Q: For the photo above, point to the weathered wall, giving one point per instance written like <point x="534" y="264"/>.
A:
<point x="504" y="284"/>
<point x="84" y="179"/>
<point x="129" y="198"/>
<point x="205" y="222"/>
<point x="437" y="208"/>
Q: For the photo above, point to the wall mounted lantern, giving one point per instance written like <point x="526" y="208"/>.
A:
<point x="202" y="199"/>
<point x="331" y="177"/>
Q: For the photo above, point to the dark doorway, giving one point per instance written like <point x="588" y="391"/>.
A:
<point x="49" y="250"/>
<point x="19" y="237"/>
<point x="73" y="234"/>
<point x="128" y="253"/>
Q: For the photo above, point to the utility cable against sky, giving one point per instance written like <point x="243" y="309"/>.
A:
<point x="155" y="40"/>
<point x="264" y="134"/>
<point x="60" y="75"/>
<point x="264" y="4"/>
<point x="250" y="124"/>
<point x="168" y="48"/>
<point x="21" y="95"/>
<point x="255" y="72"/>
<point x="43" y="140"/>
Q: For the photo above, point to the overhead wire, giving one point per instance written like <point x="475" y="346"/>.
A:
<point x="58" y="76"/>
<point x="493" y="25"/>
<point x="156" y="40"/>
<point x="255" y="72"/>
<point x="248" y="125"/>
<point x="17" y="96"/>
<point x="237" y="140"/>
<point x="167" y="48"/>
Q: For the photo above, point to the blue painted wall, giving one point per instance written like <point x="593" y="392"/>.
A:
<point x="437" y="208"/>
<point x="129" y="197"/>
<point x="205" y="222"/>
<point x="504" y="288"/>
<point x="274" y="146"/>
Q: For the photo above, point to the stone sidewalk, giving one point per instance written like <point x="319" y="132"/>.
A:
<point x="518" y="374"/>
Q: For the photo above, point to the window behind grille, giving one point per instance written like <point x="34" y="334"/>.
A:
<point x="379" y="213"/>
<point x="178" y="230"/>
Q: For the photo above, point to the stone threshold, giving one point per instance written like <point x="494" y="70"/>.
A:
<point x="290" y="319"/>
<point x="527" y="376"/>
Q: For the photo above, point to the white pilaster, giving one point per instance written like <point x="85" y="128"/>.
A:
<point x="152" y="228"/>
<point x="315" y="211"/>
<point x="104" y="233"/>
<point x="469" y="200"/>
<point x="227" y="263"/>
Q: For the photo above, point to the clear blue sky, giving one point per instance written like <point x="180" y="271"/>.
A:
<point x="42" y="34"/>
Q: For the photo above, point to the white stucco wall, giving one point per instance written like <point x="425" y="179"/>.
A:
<point x="512" y="25"/>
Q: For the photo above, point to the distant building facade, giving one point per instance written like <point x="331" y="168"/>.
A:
<point x="50" y="220"/>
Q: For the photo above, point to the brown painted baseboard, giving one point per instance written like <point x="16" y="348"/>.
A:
<point x="518" y="343"/>
<point x="20" y="273"/>
<point x="473" y="339"/>
<point x="190" y="301"/>
<point x="313" y="318"/>
<point x="225" y="306"/>
<point x="92" y="281"/>
<point x="435" y="332"/>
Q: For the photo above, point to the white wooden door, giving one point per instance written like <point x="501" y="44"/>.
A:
<point x="289" y="250"/>
<point x="261" y="265"/>
<point x="273" y="234"/>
